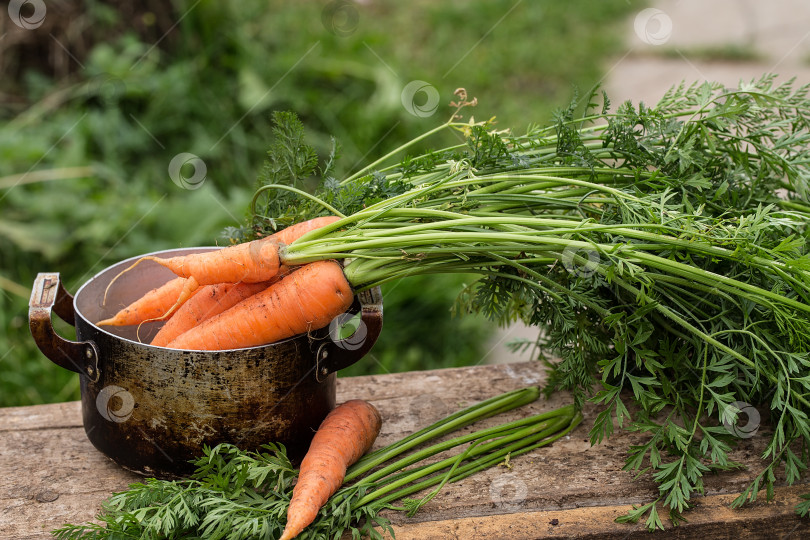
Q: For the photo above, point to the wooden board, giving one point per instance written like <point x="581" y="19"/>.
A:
<point x="50" y="474"/>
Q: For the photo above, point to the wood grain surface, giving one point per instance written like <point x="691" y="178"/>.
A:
<point x="50" y="474"/>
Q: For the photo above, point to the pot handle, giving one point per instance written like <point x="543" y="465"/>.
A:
<point x="335" y="354"/>
<point x="49" y="295"/>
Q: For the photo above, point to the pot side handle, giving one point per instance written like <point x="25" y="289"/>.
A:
<point x="49" y="295"/>
<point x="335" y="354"/>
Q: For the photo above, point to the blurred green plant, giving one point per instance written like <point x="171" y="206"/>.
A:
<point x="419" y="331"/>
<point x="84" y="151"/>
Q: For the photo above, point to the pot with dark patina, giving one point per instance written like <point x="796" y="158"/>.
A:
<point x="152" y="409"/>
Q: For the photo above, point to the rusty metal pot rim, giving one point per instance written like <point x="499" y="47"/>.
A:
<point x="132" y="260"/>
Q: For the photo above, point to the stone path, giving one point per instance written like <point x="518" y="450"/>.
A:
<point x="696" y="40"/>
<point x="674" y="40"/>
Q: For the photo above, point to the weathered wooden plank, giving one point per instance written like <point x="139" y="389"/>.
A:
<point x="50" y="473"/>
<point x="56" y="415"/>
<point x="712" y="519"/>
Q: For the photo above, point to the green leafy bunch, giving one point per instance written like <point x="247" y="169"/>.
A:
<point x="232" y="494"/>
<point x="661" y="251"/>
<point x="225" y="497"/>
<point x="733" y="174"/>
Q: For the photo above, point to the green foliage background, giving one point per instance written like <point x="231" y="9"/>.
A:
<point x="129" y="100"/>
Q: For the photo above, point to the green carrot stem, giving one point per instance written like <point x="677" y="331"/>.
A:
<point x="427" y="498"/>
<point x="668" y="313"/>
<point x="568" y="410"/>
<point x="499" y="448"/>
<point x="300" y="192"/>
<point x="498" y="457"/>
<point x="483" y="463"/>
<point x="396" y="151"/>
<point x="522" y="436"/>
<point x="712" y="278"/>
<point x="489" y="407"/>
<point x="505" y="399"/>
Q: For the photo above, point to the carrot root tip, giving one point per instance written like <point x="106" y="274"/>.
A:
<point x="133" y="265"/>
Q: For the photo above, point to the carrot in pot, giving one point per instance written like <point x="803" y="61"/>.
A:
<point x="343" y="437"/>
<point x="150" y="306"/>
<point x="305" y="300"/>
<point x="296" y="231"/>
<point x="251" y="262"/>
<point x="211" y="300"/>
<point x="189" y="288"/>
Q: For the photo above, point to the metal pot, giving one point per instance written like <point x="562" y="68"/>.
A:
<point x="152" y="409"/>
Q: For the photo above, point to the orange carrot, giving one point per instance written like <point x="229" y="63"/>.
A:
<point x="296" y="231"/>
<point x="305" y="300"/>
<point x="211" y="300"/>
<point x="343" y="437"/>
<point x="152" y="305"/>
<point x="250" y="262"/>
<point x="189" y="288"/>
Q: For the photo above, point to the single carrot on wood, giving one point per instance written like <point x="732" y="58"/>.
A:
<point x="343" y="437"/>
<point x="152" y="305"/>
<point x="307" y="299"/>
<point x="211" y="300"/>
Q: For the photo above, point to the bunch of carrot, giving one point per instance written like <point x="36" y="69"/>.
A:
<point x="241" y="296"/>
